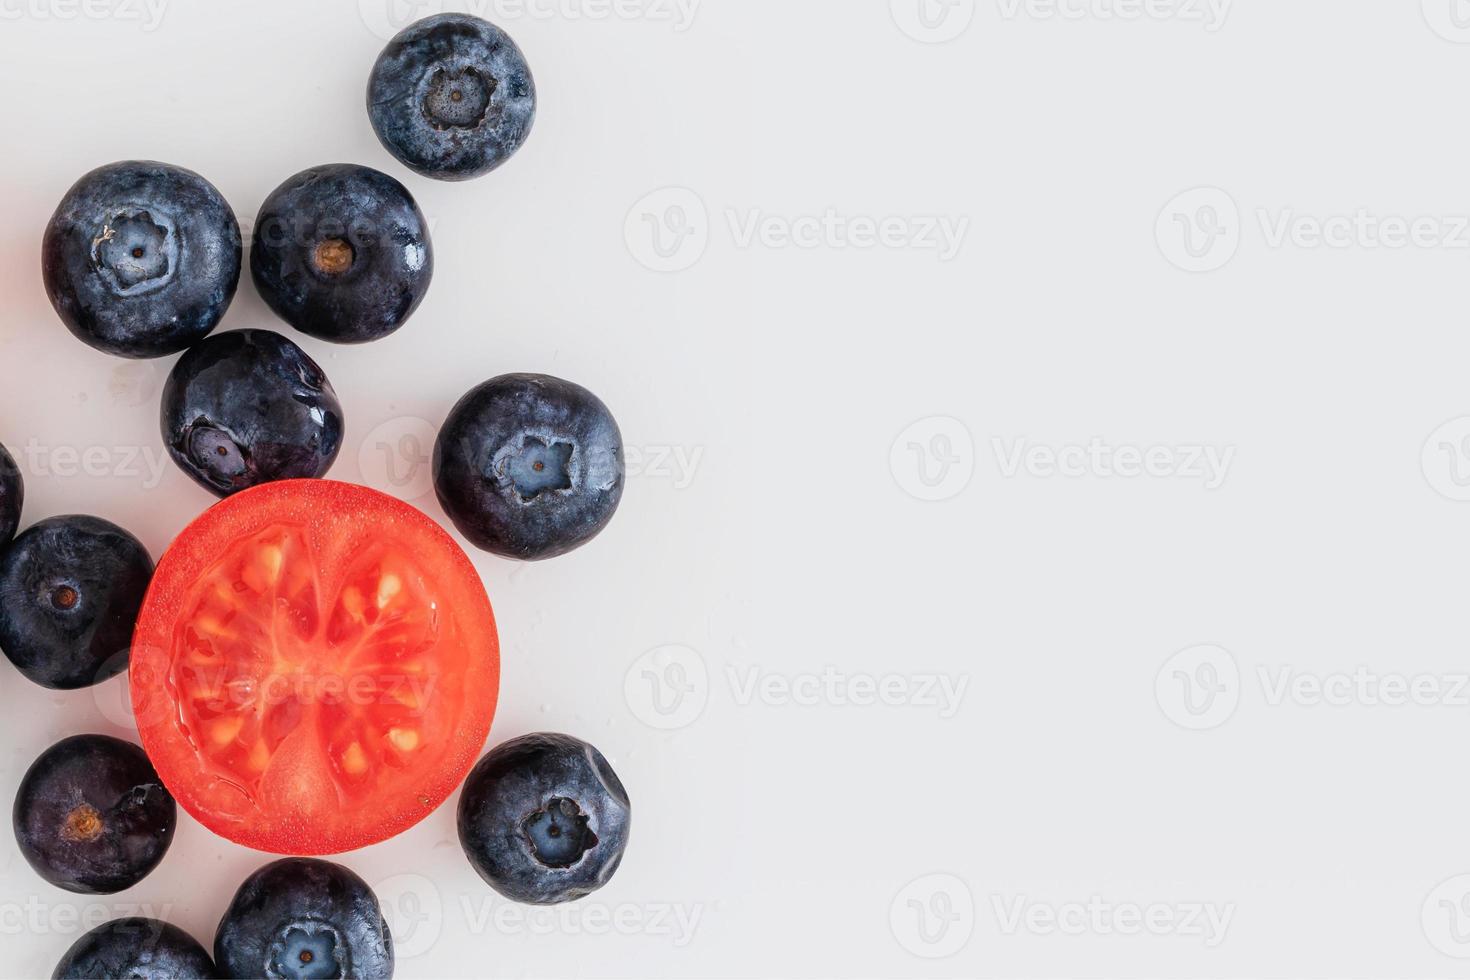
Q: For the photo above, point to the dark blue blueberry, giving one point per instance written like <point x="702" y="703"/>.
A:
<point x="304" y="918"/>
<point x="452" y="97"/>
<point x="92" y="816"/>
<point x="342" y="253"/>
<point x="544" y="819"/>
<point x="138" y="949"/>
<point x="70" y="591"/>
<point x="247" y="407"/>
<point x="529" y="466"/>
<point x="12" y="496"/>
<point x="141" y="259"/>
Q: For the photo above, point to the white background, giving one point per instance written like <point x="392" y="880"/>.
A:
<point x="824" y="431"/>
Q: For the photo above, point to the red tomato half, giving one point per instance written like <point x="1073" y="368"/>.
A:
<point x="315" y="668"/>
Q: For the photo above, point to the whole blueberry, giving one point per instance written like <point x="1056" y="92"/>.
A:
<point x="137" y="948"/>
<point x="301" y="917"/>
<point x="141" y="259"/>
<point x="92" y="816"/>
<point x="70" y="591"/>
<point x="452" y="97"/>
<point x="247" y="407"/>
<point x="529" y="466"/>
<point x="544" y="819"/>
<point x="12" y="496"/>
<point x="342" y="253"/>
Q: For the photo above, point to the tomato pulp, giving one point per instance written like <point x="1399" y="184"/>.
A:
<point x="315" y="667"/>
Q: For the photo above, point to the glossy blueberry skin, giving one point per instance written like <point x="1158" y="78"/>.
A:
<point x="544" y="819"/>
<point x="70" y="591"/>
<point x="452" y="97"/>
<point x="135" y="947"/>
<point x="12" y="496"/>
<point x="92" y="816"/>
<point x="301" y="917"/>
<point x="529" y="466"/>
<point x="342" y="253"/>
<point x="141" y="259"/>
<point x="247" y="407"/>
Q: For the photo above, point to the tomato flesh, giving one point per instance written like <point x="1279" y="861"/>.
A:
<point x="315" y="667"/>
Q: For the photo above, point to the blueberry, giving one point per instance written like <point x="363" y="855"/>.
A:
<point x="300" y="917"/>
<point x="544" y="819"/>
<point x="247" y="407"/>
<point x="137" y="948"/>
<point x="92" y="816"/>
<point x="452" y="97"/>
<point x="12" y="495"/>
<point x="342" y="253"/>
<point x="70" y="590"/>
<point x="529" y="466"/>
<point x="141" y="259"/>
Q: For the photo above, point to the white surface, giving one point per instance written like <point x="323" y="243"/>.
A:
<point x="793" y="838"/>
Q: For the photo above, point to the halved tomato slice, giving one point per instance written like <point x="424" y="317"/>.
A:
<point x="315" y="667"/>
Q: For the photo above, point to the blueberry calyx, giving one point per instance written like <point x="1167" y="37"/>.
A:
<point x="558" y="833"/>
<point x="459" y="100"/>
<point x="135" y="252"/>
<point x="539" y="466"/>
<point x="309" y="948"/>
